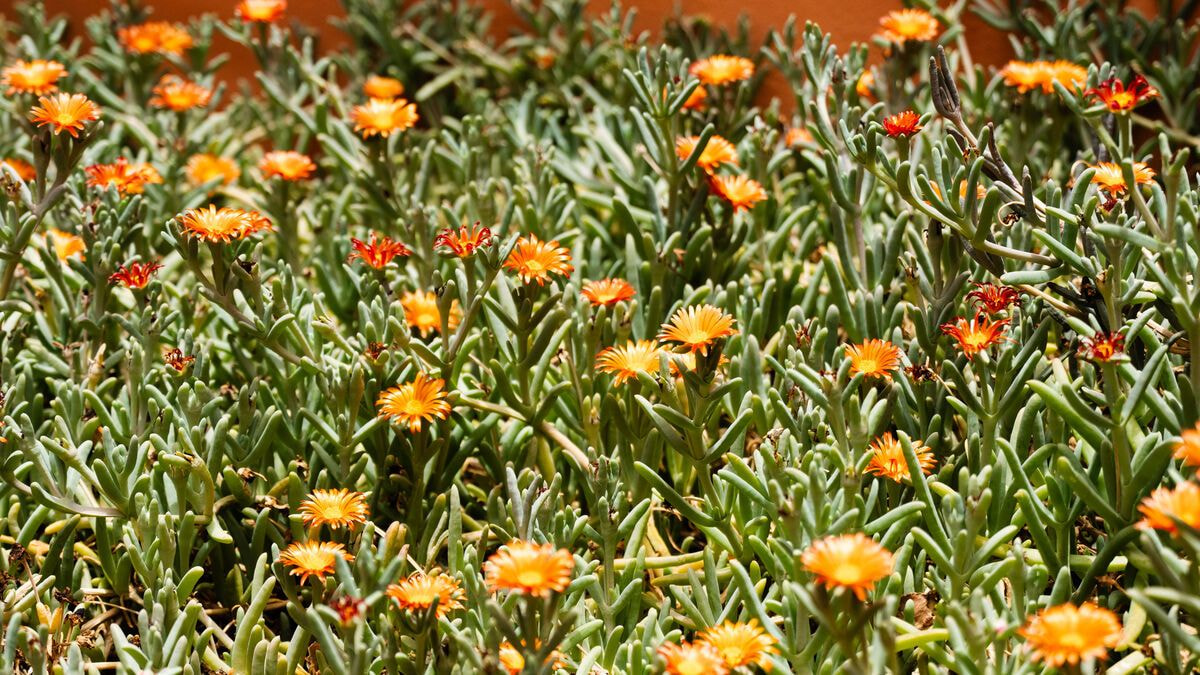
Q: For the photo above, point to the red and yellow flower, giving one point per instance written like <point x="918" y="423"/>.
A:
<point x="1103" y="347"/>
<point x="1110" y="178"/>
<point x="465" y="241"/>
<point x="261" y="11"/>
<point x="221" y="225"/>
<point x="128" y="179"/>
<point x="993" y="298"/>
<point x="378" y="251"/>
<point x="697" y="327"/>
<point x="902" y="124"/>
<point x="1120" y="98"/>
<point x="976" y="335"/>
<point x="136" y="275"/>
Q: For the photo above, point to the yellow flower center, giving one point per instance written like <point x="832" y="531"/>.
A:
<point x="868" y="365"/>
<point x="531" y="578"/>
<point x="692" y="666"/>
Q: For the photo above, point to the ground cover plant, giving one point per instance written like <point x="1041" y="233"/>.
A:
<point x="571" y="352"/>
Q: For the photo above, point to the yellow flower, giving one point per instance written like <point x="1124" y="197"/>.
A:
<point x="716" y="152"/>
<point x="535" y="260"/>
<point x="1164" y="506"/>
<point x="418" y="592"/>
<point x="383" y="117"/>
<point x="421" y="312"/>
<point x="423" y="399"/>
<point x="1188" y="447"/>
<point x="692" y="658"/>
<point x="33" y="77"/>
<point x="866" y="82"/>
<point x="313" y="559"/>
<point x="380" y="87"/>
<point x="874" y="358"/>
<point x="263" y="11"/>
<point x="223" y="224"/>
<point x="154" y="36"/>
<point x="335" y="508"/>
<point x="887" y="458"/>
<point x="741" y="192"/>
<point x="514" y="663"/>
<point x="722" y="69"/>
<point x="529" y="569"/>
<point x="902" y="25"/>
<point x="1067" y="634"/>
<point x="177" y="94"/>
<point x="64" y="112"/>
<point x="66" y="245"/>
<point x="853" y="561"/>
<point x="1110" y="179"/>
<point x="1072" y="76"/>
<point x="287" y="165"/>
<point x="741" y="644"/>
<point x="626" y="362"/>
<point x="697" y="327"/>
<point x="607" y="291"/>
<point x="203" y="168"/>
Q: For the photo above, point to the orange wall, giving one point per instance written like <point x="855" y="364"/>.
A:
<point x="847" y="20"/>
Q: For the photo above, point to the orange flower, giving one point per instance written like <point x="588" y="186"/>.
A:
<point x="423" y="399"/>
<point x="418" y="592"/>
<point x="853" y="561"/>
<point x="313" y="559"/>
<point x="155" y="36"/>
<point x="866" y="82"/>
<point x="529" y="569"/>
<point x="177" y="94"/>
<point x="741" y="644"/>
<point x="223" y="224"/>
<point x="1188" y="447"/>
<point x="137" y="275"/>
<point x="1027" y="75"/>
<point x="177" y="359"/>
<point x="33" y="77"/>
<point x="288" y="165"/>
<point x="262" y="11"/>
<point x="514" y="662"/>
<point x="66" y="245"/>
<point x="905" y="123"/>
<point x="874" y="358"/>
<point x="465" y="242"/>
<point x="128" y="179"/>
<point x="696" y="99"/>
<point x="378" y="251"/>
<point x="335" y="508"/>
<point x="382" y="117"/>
<point x="797" y="136"/>
<point x="1103" y="347"/>
<point x="1110" y="178"/>
<point x="421" y="312"/>
<point x="386" y="88"/>
<point x="23" y="169"/>
<point x="1067" y="634"/>
<point x="716" y="152"/>
<point x="976" y="335"/>
<point x="697" y="327"/>
<point x="64" y="112"/>
<point x="903" y="25"/>
<point x="741" y="192"/>
<point x="1118" y="97"/>
<point x="536" y="260"/>
<point x="887" y="458"/>
<point x="692" y="658"/>
<point x="203" y="168"/>
<point x="993" y="298"/>
<point x="626" y="362"/>
<point x="348" y="608"/>
<point x="1072" y="76"/>
<point x="607" y="291"/>
<point x="1164" y="506"/>
<point x="722" y="69"/>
